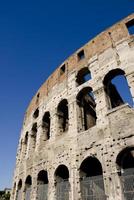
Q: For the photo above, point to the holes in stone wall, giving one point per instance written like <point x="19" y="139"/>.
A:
<point x="117" y="89"/>
<point x="86" y="114"/>
<point x="46" y="125"/>
<point x="130" y="26"/>
<point x="83" y="76"/>
<point x="63" y="115"/>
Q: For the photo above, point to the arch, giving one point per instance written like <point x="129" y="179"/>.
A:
<point x="36" y="113"/>
<point x="46" y="125"/>
<point x="86" y="109"/>
<point x="42" y="185"/>
<point x="28" y="186"/>
<point x="83" y="76"/>
<point x="19" y="190"/>
<point x="91" y="179"/>
<point x="25" y="143"/>
<point x="34" y="134"/>
<point x="63" y="115"/>
<point x="125" y="162"/>
<point x="62" y="182"/>
<point x="116" y="88"/>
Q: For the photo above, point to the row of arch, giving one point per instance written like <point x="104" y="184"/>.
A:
<point x="91" y="179"/>
<point x="86" y="105"/>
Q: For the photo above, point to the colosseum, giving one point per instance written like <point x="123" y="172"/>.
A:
<point x="77" y="139"/>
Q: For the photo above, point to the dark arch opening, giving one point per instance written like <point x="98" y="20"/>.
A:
<point x="36" y="113"/>
<point x="117" y="89"/>
<point x="19" y="184"/>
<point x="62" y="172"/>
<point x="43" y="177"/>
<point x="125" y="161"/>
<point x="34" y="134"/>
<point x="28" y="184"/>
<point x="42" y="185"/>
<point x="62" y="182"/>
<point x="19" y="190"/>
<point x="63" y="115"/>
<point x="91" y="179"/>
<point x="46" y="124"/>
<point x="28" y="180"/>
<point x="91" y="167"/>
<point x="83" y="76"/>
<point x="87" y="113"/>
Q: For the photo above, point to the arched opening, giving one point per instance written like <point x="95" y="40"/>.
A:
<point x="34" y="134"/>
<point x="117" y="89"/>
<point x="36" y="113"/>
<point x="83" y="76"/>
<point x="86" y="112"/>
<point x="62" y="182"/>
<point x="19" y="190"/>
<point x="42" y="185"/>
<point x="46" y="125"/>
<point x="63" y="115"/>
<point x="25" y="143"/>
<point x="28" y="186"/>
<point x="125" y="162"/>
<point x="91" y="179"/>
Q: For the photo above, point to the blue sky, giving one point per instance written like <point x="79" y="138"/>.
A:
<point x="35" y="37"/>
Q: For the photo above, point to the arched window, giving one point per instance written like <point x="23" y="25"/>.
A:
<point x="63" y="116"/>
<point x="86" y="113"/>
<point x="42" y="185"/>
<point x="34" y="134"/>
<point x="91" y="179"/>
<point x="62" y="182"/>
<point x="28" y="186"/>
<point x="36" y="113"/>
<point x="25" y="143"/>
<point x="83" y="76"/>
<point x="117" y="89"/>
<point x="125" y="162"/>
<point x="19" y="190"/>
<point x="46" y="125"/>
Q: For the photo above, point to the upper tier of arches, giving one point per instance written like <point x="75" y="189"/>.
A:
<point x="96" y="46"/>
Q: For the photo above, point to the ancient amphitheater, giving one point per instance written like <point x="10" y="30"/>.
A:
<point x="77" y="139"/>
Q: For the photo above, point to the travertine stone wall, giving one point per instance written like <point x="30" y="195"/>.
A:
<point x="114" y="129"/>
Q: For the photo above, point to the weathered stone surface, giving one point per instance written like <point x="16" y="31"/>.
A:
<point x="113" y="131"/>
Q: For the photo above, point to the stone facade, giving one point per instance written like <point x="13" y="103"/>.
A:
<point x="75" y="129"/>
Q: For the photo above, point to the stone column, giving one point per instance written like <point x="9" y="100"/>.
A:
<point x="74" y="184"/>
<point x="73" y="112"/>
<point x="130" y="79"/>
<point x="53" y="124"/>
<point x="101" y="105"/>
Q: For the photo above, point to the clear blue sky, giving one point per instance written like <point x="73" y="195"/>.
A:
<point x="35" y="37"/>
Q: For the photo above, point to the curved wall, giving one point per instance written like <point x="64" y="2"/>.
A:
<point x="88" y="123"/>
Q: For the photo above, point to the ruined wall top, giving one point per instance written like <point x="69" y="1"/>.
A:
<point x="109" y="38"/>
